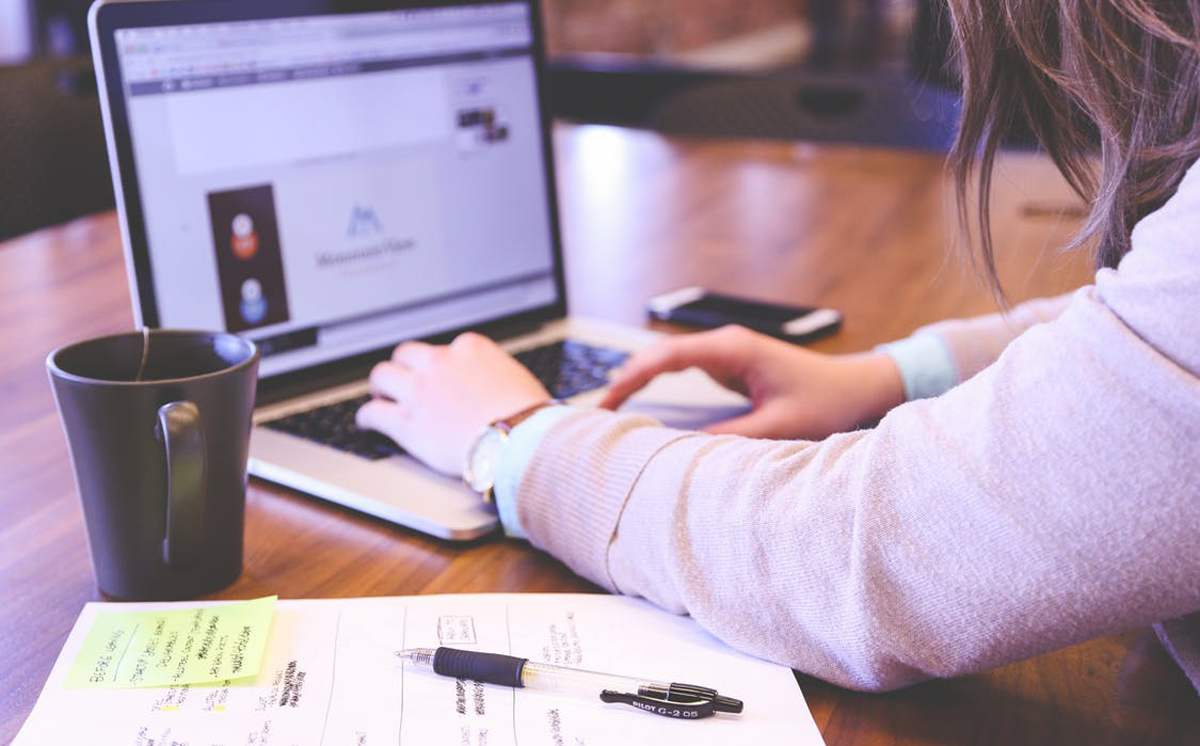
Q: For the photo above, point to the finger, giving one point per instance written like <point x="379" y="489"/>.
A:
<point x="469" y="340"/>
<point x="643" y="367"/>
<point x="393" y="381"/>
<point x="709" y="351"/>
<point x="478" y="350"/>
<point x="414" y="354"/>
<point x="385" y="417"/>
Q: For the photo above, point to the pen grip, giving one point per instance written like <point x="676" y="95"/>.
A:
<point x="489" y="668"/>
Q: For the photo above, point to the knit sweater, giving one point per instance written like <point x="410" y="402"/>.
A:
<point x="1051" y="497"/>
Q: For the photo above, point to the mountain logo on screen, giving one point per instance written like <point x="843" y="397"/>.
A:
<point x="363" y="222"/>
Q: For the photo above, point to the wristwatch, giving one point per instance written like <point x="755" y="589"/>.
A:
<point x="479" y="469"/>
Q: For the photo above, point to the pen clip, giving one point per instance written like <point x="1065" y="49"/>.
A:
<point x="678" y="708"/>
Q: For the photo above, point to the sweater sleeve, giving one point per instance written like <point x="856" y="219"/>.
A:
<point x="975" y="343"/>
<point x="1048" y="499"/>
<point x="936" y="358"/>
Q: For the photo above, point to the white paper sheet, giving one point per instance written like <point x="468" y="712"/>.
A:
<point x="330" y="677"/>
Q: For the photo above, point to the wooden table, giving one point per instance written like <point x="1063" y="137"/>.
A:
<point x="862" y="230"/>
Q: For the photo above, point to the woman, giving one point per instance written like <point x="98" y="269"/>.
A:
<point x="1034" y="480"/>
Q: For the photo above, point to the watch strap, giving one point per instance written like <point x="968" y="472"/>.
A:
<point x="504" y="425"/>
<point x="508" y="423"/>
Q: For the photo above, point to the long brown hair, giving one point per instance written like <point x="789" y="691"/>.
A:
<point x="1111" y="89"/>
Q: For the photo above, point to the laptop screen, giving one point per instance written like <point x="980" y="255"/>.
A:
<point x="331" y="184"/>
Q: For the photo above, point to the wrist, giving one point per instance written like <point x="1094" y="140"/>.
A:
<point x="881" y="384"/>
<point x="483" y="455"/>
<point x="524" y="442"/>
<point x="925" y="364"/>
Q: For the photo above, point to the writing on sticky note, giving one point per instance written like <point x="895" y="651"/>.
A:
<point x="199" y="644"/>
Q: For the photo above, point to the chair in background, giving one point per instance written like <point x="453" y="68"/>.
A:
<point x="53" y="160"/>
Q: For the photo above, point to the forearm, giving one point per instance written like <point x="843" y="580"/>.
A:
<point x="942" y="542"/>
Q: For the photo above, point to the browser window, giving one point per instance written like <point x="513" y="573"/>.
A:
<point x="328" y="185"/>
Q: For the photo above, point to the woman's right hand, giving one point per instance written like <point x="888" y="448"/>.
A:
<point x="796" y="393"/>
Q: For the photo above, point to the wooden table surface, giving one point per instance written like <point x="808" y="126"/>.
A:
<point x="863" y="230"/>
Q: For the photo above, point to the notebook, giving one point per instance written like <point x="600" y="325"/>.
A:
<point x="329" y="179"/>
<point x="329" y="674"/>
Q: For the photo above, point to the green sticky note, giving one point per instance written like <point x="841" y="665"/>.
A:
<point x="173" y="647"/>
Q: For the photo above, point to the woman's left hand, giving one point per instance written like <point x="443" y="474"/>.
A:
<point x="433" y="400"/>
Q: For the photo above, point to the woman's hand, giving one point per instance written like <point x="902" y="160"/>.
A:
<point x="796" y="393"/>
<point x="433" y="400"/>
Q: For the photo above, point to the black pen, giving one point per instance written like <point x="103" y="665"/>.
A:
<point x="683" y="701"/>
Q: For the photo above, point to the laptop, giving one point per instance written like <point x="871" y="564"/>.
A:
<point x="329" y="178"/>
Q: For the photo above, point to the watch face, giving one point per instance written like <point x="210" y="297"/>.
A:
<point x="485" y="455"/>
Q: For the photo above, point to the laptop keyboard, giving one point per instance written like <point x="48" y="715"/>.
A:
<point x="568" y="367"/>
<point x="565" y="368"/>
<point x="333" y="425"/>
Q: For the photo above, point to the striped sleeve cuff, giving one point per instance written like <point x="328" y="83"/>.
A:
<point x="522" y="442"/>
<point x="925" y="364"/>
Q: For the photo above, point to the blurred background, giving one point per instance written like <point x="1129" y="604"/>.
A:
<point x="870" y="71"/>
<point x="742" y="34"/>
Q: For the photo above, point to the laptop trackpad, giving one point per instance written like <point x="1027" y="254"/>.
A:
<point x="688" y="400"/>
<point x="685" y="417"/>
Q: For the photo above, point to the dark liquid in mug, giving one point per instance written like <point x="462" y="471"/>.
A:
<point x="167" y="357"/>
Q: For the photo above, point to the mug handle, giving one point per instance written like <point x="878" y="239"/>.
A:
<point x="182" y="434"/>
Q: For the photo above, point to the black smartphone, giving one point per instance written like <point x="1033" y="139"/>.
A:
<point x="695" y="306"/>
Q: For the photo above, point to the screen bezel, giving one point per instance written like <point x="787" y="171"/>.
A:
<point x="108" y="17"/>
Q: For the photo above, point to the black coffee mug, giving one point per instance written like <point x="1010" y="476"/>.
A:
<point x="158" y="426"/>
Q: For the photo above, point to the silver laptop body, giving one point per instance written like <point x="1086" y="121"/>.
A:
<point x="329" y="181"/>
